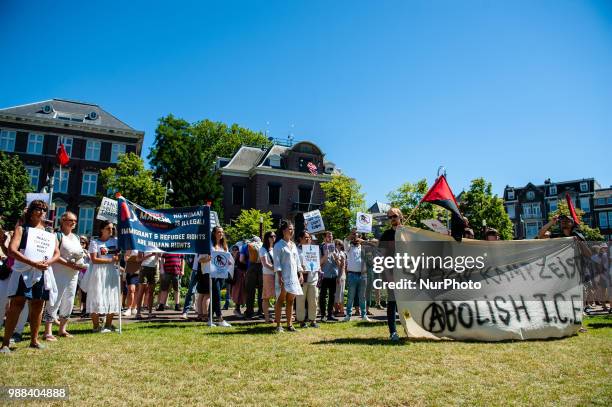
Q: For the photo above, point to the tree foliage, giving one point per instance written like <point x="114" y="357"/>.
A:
<point x="343" y="199"/>
<point x="14" y="184"/>
<point x="408" y="196"/>
<point x="482" y="208"/>
<point x="590" y="234"/>
<point x="247" y="225"/>
<point x="186" y="154"/>
<point x="134" y="182"/>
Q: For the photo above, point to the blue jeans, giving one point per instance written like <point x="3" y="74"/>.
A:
<point x="193" y="280"/>
<point x="356" y="283"/>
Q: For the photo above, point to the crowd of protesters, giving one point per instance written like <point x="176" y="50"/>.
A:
<point x="110" y="282"/>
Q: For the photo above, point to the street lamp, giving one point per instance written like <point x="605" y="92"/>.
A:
<point x="168" y="189"/>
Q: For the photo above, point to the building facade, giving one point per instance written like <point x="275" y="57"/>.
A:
<point x="275" y="179"/>
<point x="94" y="139"/>
<point x="528" y="207"/>
<point x="603" y="211"/>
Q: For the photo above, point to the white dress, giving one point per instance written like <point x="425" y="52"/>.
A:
<point x="287" y="261"/>
<point x="65" y="279"/>
<point x="103" y="280"/>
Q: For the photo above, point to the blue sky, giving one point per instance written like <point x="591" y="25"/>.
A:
<point x="513" y="91"/>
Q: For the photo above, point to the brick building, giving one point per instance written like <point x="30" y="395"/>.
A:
<point x="93" y="138"/>
<point x="274" y="179"/>
<point x="528" y="207"/>
<point x="603" y="211"/>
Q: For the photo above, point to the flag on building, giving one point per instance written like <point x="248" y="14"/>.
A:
<point x="312" y="168"/>
<point x="62" y="156"/>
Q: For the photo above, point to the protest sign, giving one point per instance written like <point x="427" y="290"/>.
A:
<point x="107" y="210"/>
<point x="364" y="222"/>
<point x="40" y="245"/>
<point x="314" y="221"/>
<point x="436" y="226"/>
<point x="496" y="290"/>
<point x="312" y="260"/>
<point x="174" y="230"/>
<point x="32" y="196"/>
<point x="221" y="264"/>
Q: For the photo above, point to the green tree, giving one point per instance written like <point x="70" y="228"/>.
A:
<point x="482" y="208"/>
<point x="408" y="196"/>
<point x="343" y="199"/>
<point x="590" y="234"/>
<point x="247" y="225"/>
<point x="186" y="154"/>
<point x="134" y="182"/>
<point x="15" y="183"/>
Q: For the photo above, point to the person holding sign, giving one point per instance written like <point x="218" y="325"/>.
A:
<point x="103" y="281"/>
<point x="34" y="250"/>
<point x="66" y="273"/>
<point x="287" y="265"/>
<point x="311" y="263"/>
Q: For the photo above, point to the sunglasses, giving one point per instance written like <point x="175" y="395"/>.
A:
<point x="70" y="220"/>
<point x="392" y="217"/>
<point x="272" y="236"/>
<point x="39" y="208"/>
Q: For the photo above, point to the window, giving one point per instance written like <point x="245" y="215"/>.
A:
<point x="116" y="151"/>
<point x="274" y="194"/>
<point x="7" y="141"/>
<point x="238" y="195"/>
<point x="610" y="200"/>
<point x="86" y="217"/>
<point x="532" y="229"/>
<point x="304" y="195"/>
<point x="511" y="211"/>
<point x="92" y="151"/>
<point x="511" y="194"/>
<point x="600" y="201"/>
<point x="60" y="185"/>
<point x="60" y="208"/>
<point x="35" y="143"/>
<point x="603" y="219"/>
<point x="584" y="187"/>
<point x="553" y="190"/>
<point x="530" y="195"/>
<point x="552" y="205"/>
<point x="34" y="174"/>
<point x="90" y="184"/>
<point x="532" y="211"/>
<point x="67" y="141"/>
<point x="275" y="161"/>
<point x="609" y="219"/>
<point x="585" y="204"/>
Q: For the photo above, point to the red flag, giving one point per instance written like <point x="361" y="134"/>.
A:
<point x="62" y="155"/>
<point x="440" y="194"/>
<point x="312" y="168"/>
<point x="570" y="205"/>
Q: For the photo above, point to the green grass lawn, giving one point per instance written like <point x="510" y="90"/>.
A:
<point x="338" y="364"/>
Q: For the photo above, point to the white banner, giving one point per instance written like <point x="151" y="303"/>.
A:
<point x="312" y="260"/>
<point x="436" y="226"/>
<point x="40" y="245"/>
<point x="108" y="210"/>
<point x="364" y="222"/>
<point x="314" y="221"/>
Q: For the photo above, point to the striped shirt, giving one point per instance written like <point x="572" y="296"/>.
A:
<point x="172" y="263"/>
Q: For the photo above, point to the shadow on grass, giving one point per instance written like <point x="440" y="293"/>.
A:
<point x="599" y="325"/>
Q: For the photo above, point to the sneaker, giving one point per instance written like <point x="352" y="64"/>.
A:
<point x="160" y="307"/>
<point x="279" y="329"/>
<point x="184" y="315"/>
<point x="177" y="307"/>
<point x="112" y="328"/>
<point x="314" y="324"/>
<point x="347" y="318"/>
<point x="223" y="323"/>
<point x="16" y="337"/>
<point x="394" y="337"/>
<point x="291" y="328"/>
<point x="331" y="318"/>
<point x="365" y="318"/>
<point x="105" y="331"/>
<point x="37" y="346"/>
<point x="97" y="330"/>
<point x="6" y="350"/>
<point x="587" y="310"/>
<point x="303" y="325"/>
<point x="127" y="313"/>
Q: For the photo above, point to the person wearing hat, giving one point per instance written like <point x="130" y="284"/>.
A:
<point x="567" y="228"/>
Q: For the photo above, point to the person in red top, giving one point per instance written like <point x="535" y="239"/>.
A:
<point x="173" y="266"/>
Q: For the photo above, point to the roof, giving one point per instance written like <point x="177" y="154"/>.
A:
<point x="274" y="150"/>
<point x="379" y="207"/>
<point x="62" y="110"/>
<point x="245" y="158"/>
<point x="554" y="183"/>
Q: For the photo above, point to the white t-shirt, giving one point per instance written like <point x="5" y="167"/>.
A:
<point x="150" y="261"/>
<point x="71" y="250"/>
<point x="102" y="248"/>
<point x="353" y="258"/>
<point x="263" y="252"/>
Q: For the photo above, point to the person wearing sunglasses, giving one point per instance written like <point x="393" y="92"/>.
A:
<point x="27" y="281"/>
<point x="102" y="279"/>
<point x="387" y="248"/>
<point x="66" y="273"/>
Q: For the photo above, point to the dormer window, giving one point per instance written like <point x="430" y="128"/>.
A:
<point x="530" y="195"/>
<point x="553" y="190"/>
<point x="511" y="194"/>
<point x="275" y="161"/>
<point x="584" y="187"/>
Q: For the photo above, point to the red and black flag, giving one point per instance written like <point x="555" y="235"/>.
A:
<point x="570" y="205"/>
<point x="62" y="155"/>
<point x="440" y="194"/>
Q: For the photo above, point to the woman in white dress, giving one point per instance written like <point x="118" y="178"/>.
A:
<point x="287" y="265"/>
<point x="103" y="279"/>
<point x="66" y="273"/>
